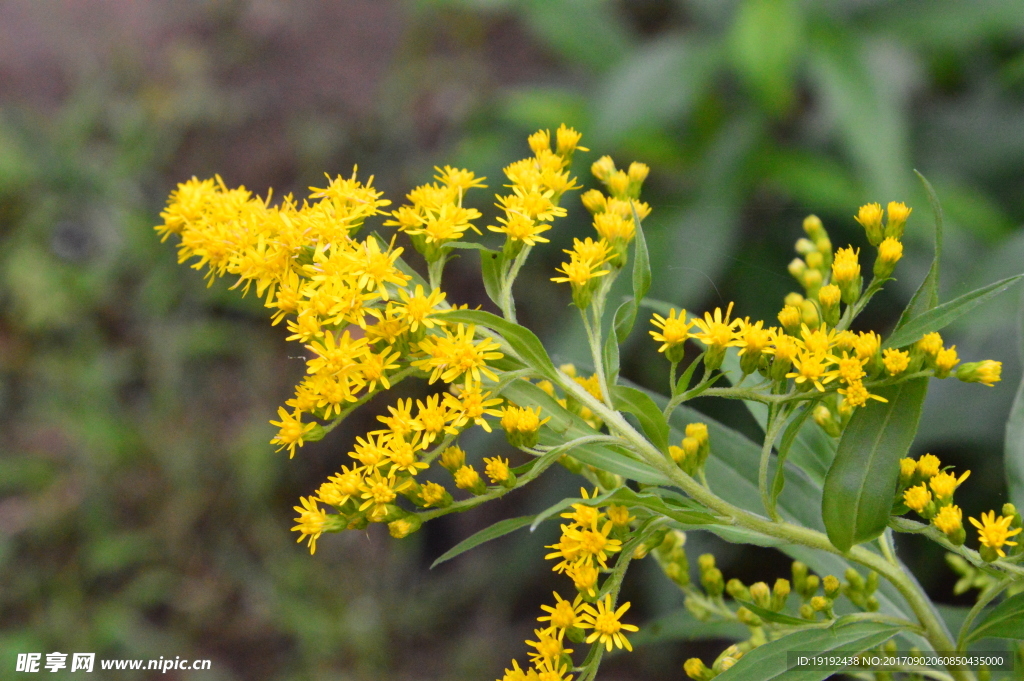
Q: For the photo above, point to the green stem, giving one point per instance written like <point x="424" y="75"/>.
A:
<point x="435" y="269"/>
<point x="776" y="420"/>
<point x="508" y="308"/>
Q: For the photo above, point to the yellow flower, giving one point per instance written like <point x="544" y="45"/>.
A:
<point x="675" y="330"/>
<point x="949" y="519"/>
<point x="379" y="491"/>
<point x="455" y="355"/>
<point x="311" y="521"/>
<point x="945" y="483"/>
<point x="889" y="253"/>
<point x="497" y="469"/>
<point x="987" y="372"/>
<point x="519" y="227"/>
<point x="716" y="331"/>
<point x="433" y="494"/>
<point x="928" y="465"/>
<point x="930" y="344"/>
<point x="810" y="368"/>
<point x="563" y="615"/>
<point x="418" y="310"/>
<point x="790" y="318"/>
<point x="870" y="217"/>
<point x="845" y="266"/>
<point x="897" y="214"/>
<point x="471" y="405"/>
<point x="896" y="361"/>
<point x="432" y="418"/>
<point x="548" y="646"/>
<point x="917" y="497"/>
<point x="468" y="479"/>
<point x="995" y="533"/>
<point x="945" y="360"/>
<point x="849" y="369"/>
<point x="578" y="273"/>
<point x="857" y="395"/>
<point x="866" y="344"/>
<point x="292" y="430"/>
<point x="606" y="625"/>
<point x="584" y="577"/>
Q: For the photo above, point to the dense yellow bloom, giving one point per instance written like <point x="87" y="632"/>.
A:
<point x="811" y="369"/>
<point x="455" y="355"/>
<point x="432" y="494"/>
<point x="606" y="625"/>
<point x="945" y="360"/>
<point x="497" y="469"/>
<point x="857" y="395"/>
<point x="378" y="491"/>
<point x="995" y="533"/>
<point x="519" y="227"/>
<point x="578" y="273"/>
<point x="471" y="405"/>
<point x="468" y="479"/>
<point x="987" y="372"/>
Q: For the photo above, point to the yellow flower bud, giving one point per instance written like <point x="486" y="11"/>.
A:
<point x="540" y="142"/>
<point x="403" y="527"/>
<point x="846" y="274"/>
<point x="895" y="361"/>
<point x="928" y="465"/>
<point x="594" y="201"/>
<point x="813" y="227"/>
<point x="603" y="168"/>
<point x="831" y="586"/>
<point x="897" y="214"/>
<point x="987" y="372"/>
<point x="468" y="479"/>
<point x="889" y="253"/>
<point x="945" y="360"/>
<point x="917" y="498"/>
<point x="907" y="469"/>
<point x="618" y="184"/>
<point x="930" y="344"/>
<point x="793" y="299"/>
<point x="790" y="318"/>
<point x="453" y="458"/>
<point x="870" y="217"/>
<point x="567" y="140"/>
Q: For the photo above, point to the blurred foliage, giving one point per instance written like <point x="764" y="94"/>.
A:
<point x="143" y="512"/>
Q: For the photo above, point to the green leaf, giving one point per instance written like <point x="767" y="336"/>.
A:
<point x="641" y="261"/>
<point x="769" y="662"/>
<point x="467" y="246"/>
<point x="938" y="318"/>
<point x="1006" y="620"/>
<point x="622" y="322"/>
<point x="490" y="268"/>
<point x="772" y="616"/>
<point x="927" y="295"/>
<point x="788" y="437"/>
<point x="643" y="407"/>
<point x="1013" y="454"/>
<point x="610" y="357"/>
<point x="860" y="486"/>
<point x="498" y="529"/>
<point x="519" y="339"/>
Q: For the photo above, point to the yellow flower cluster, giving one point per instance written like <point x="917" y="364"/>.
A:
<point x="588" y="540"/>
<point x="808" y="345"/>
<point x="537" y="186"/>
<point x="613" y="222"/>
<point x="435" y="216"/>
<point x="927" y="489"/>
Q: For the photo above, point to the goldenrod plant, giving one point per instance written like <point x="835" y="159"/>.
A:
<point x="830" y="483"/>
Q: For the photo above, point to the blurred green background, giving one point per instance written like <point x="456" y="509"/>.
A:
<point x="143" y="512"/>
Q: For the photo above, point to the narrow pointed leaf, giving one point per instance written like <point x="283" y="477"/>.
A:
<point x="610" y="357"/>
<point x="624" y="319"/>
<point x="646" y="411"/>
<point x="942" y="316"/>
<point x="1006" y="620"/>
<point x="772" y="616"/>
<point x="860" y="486"/>
<point x="521" y="341"/>
<point x="927" y="295"/>
<point x="769" y="662"/>
<point x="641" y="261"/>
<point x="498" y="529"/>
<point x="490" y="269"/>
<point x="1013" y="454"/>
